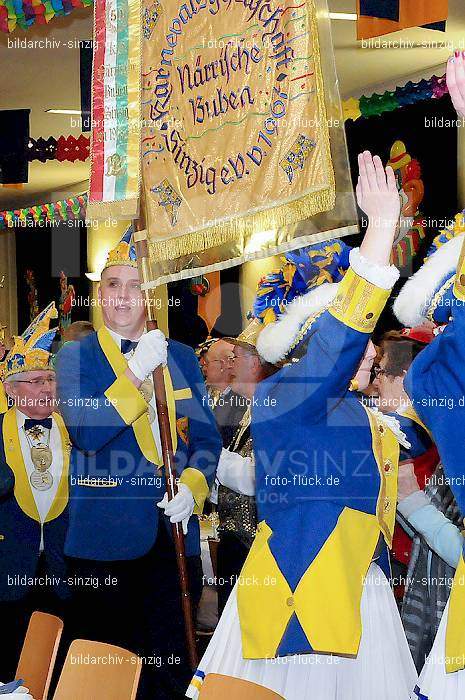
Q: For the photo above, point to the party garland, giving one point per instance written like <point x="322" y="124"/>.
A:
<point x="409" y="94"/>
<point x="25" y="13"/>
<point x="70" y="209"/>
<point x="61" y="149"/>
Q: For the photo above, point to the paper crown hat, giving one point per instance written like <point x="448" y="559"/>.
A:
<point x="31" y="350"/>
<point x="249" y="336"/>
<point x="290" y="299"/>
<point x="124" y="253"/>
<point x="428" y="294"/>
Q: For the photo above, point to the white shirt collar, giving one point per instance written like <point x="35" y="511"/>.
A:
<point x="20" y="418"/>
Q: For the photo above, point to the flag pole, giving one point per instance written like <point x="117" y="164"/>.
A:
<point x="143" y="264"/>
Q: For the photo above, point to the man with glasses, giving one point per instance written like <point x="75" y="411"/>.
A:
<point x="34" y="457"/>
<point x="228" y="406"/>
<point x="235" y="474"/>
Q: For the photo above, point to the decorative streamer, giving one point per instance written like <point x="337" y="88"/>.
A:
<point x="408" y="94"/>
<point x="25" y="13"/>
<point x="73" y="208"/>
<point x="64" y="148"/>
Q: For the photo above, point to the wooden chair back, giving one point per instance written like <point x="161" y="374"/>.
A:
<point x="218" y="686"/>
<point x="38" y="654"/>
<point x="94" y="670"/>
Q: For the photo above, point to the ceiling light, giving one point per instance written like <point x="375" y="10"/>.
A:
<point x="63" y="111"/>
<point x="343" y="15"/>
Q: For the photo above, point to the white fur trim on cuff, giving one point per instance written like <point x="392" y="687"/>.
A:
<point x="416" y="295"/>
<point x="276" y="339"/>
<point x="383" y="276"/>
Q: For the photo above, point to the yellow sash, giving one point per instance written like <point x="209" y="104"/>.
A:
<point x="15" y="460"/>
<point x="141" y="427"/>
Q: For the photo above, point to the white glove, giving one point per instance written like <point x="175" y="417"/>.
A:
<point x="180" y="508"/>
<point x="236" y="472"/>
<point x="151" y="351"/>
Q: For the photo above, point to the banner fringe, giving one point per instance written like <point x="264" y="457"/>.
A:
<point x="199" y="241"/>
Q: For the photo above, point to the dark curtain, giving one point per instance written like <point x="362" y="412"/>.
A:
<point x="184" y="323"/>
<point x="430" y="135"/>
<point x="47" y="251"/>
<point x="14" y="139"/>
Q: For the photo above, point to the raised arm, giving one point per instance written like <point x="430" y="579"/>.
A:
<point x="340" y="335"/>
<point x="436" y="380"/>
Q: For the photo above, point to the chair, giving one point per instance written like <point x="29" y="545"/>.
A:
<point x="39" y="652"/>
<point x="98" y="671"/>
<point x="217" y="686"/>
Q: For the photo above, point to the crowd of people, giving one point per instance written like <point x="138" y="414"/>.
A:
<point x="334" y="466"/>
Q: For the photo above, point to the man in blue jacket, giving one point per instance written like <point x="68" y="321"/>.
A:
<point x="119" y="542"/>
<point x="34" y="458"/>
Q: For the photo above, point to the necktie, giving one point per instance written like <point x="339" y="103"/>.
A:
<point x="31" y="422"/>
<point x="128" y="345"/>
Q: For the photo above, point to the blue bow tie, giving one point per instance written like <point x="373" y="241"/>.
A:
<point x="128" y="345"/>
<point x="31" y="422"/>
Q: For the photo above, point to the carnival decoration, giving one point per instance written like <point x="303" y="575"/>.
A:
<point x="116" y="110"/>
<point x="234" y="132"/>
<point x="411" y="93"/>
<point x="23" y="14"/>
<point x="31" y="349"/>
<point x="32" y="296"/>
<point x="61" y="149"/>
<point x="234" y="146"/>
<point x="65" y="306"/>
<point x="411" y="228"/>
<point x="73" y="208"/>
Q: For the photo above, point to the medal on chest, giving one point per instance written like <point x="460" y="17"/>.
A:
<point x="41" y="481"/>
<point x="41" y="457"/>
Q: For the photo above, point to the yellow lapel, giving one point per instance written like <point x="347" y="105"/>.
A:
<point x="62" y="495"/>
<point x="14" y="459"/>
<point x="3" y="400"/>
<point x="141" y="427"/>
<point x="386" y="453"/>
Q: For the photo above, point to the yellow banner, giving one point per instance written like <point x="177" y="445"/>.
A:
<point x="235" y="130"/>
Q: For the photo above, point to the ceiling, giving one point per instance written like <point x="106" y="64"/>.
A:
<point x="47" y="75"/>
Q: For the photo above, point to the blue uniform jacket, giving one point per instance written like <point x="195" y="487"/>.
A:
<point x="20" y="527"/>
<point x="116" y="475"/>
<point x="435" y="383"/>
<point x="326" y="485"/>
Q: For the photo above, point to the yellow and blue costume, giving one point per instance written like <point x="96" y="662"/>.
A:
<point x="21" y="530"/>
<point x="115" y="465"/>
<point x="435" y="385"/>
<point x="326" y="488"/>
<point x="33" y="572"/>
<point x="326" y="484"/>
